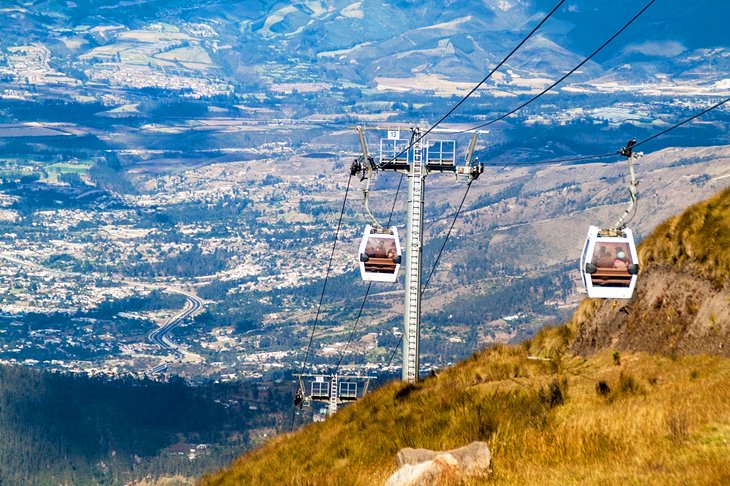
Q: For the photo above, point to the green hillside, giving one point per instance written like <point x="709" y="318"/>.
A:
<point x="578" y="404"/>
<point x="66" y="429"/>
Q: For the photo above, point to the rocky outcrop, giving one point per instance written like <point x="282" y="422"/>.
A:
<point x="672" y="312"/>
<point x="423" y="467"/>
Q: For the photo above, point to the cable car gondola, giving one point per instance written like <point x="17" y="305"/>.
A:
<point x="609" y="264"/>
<point x="380" y="254"/>
<point x="380" y="251"/>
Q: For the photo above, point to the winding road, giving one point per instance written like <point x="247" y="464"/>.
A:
<point x="158" y="336"/>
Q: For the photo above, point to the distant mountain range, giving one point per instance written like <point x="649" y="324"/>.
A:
<point x="345" y="43"/>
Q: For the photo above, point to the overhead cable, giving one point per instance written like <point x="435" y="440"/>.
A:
<point x="611" y="154"/>
<point x="590" y="56"/>
<point x="677" y="125"/>
<point x="326" y="277"/>
<point x="443" y="245"/>
<point x="484" y="80"/>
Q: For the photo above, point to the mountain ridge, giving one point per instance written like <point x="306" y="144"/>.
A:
<point x="399" y="40"/>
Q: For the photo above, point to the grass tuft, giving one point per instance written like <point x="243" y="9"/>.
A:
<point x="602" y="388"/>
<point x="555" y="393"/>
<point x="405" y="391"/>
<point x="628" y="385"/>
<point x="677" y="423"/>
<point x="541" y="428"/>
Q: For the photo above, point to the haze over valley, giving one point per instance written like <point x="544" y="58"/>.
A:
<point x="172" y="173"/>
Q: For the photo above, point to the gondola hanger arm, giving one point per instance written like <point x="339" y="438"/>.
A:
<point x="631" y="156"/>
<point x="366" y="165"/>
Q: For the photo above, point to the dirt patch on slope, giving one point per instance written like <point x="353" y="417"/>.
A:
<point x="673" y="311"/>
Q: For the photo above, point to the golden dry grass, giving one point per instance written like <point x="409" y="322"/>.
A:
<point x="663" y="421"/>
<point x="699" y="237"/>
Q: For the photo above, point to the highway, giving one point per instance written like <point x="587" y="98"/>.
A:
<point x="158" y="336"/>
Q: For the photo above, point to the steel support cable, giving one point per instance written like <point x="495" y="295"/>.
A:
<point x="319" y="306"/>
<point x="395" y="350"/>
<point x="484" y="80"/>
<point x="555" y="161"/>
<point x="367" y="290"/>
<point x="611" y="154"/>
<point x="433" y="268"/>
<point x="443" y="245"/>
<point x="326" y="277"/>
<point x="599" y="49"/>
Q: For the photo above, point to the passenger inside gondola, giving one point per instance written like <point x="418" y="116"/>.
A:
<point x="602" y="259"/>
<point x="612" y="264"/>
<point x="375" y="248"/>
<point x="381" y="253"/>
<point x="391" y="251"/>
<point x="620" y="261"/>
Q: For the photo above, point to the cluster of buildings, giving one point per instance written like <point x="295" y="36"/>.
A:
<point x="138" y="77"/>
<point x="70" y="260"/>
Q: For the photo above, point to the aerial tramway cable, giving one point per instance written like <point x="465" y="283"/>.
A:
<point x="443" y="245"/>
<point x="613" y="154"/>
<point x="326" y="277"/>
<point x="578" y="66"/>
<point x="558" y="161"/>
<point x="299" y="394"/>
<point x="677" y="125"/>
<point x="484" y="80"/>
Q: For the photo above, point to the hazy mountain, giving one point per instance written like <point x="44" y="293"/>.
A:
<point x="343" y="42"/>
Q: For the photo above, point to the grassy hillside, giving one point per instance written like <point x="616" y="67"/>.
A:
<point x="551" y="416"/>
<point x="698" y="238"/>
<point x="663" y="421"/>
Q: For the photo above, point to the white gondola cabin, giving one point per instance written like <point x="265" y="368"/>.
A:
<point x="380" y="255"/>
<point x="609" y="264"/>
